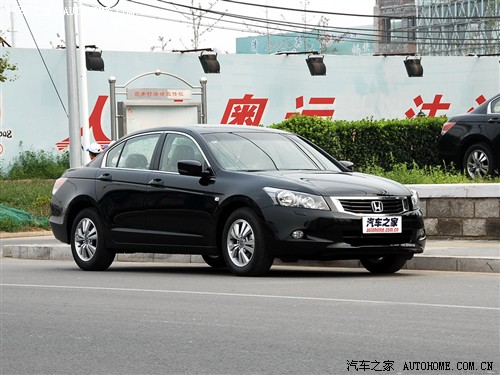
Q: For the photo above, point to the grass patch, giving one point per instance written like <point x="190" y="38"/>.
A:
<point x="31" y="196"/>
<point x="412" y="174"/>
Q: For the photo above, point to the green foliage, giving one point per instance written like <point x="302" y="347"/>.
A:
<point x="6" y="66"/>
<point x="367" y="142"/>
<point x="38" y="164"/>
<point x="30" y="196"/>
<point x="413" y="174"/>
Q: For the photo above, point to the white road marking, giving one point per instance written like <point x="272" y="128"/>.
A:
<point x="244" y="295"/>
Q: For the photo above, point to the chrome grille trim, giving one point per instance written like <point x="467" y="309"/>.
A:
<point x="363" y="205"/>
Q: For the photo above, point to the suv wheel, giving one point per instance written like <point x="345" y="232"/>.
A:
<point x="87" y="242"/>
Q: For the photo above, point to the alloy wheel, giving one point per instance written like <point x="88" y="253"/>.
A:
<point x="477" y="164"/>
<point x="240" y="242"/>
<point x="85" y="239"/>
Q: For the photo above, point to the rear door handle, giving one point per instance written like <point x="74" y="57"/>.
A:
<point x="105" y="177"/>
<point x="156" y="182"/>
<point x="494" y="120"/>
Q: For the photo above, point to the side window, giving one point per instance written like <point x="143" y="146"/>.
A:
<point x="136" y="152"/>
<point x="114" y="155"/>
<point x="178" y="147"/>
<point x="495" y="106"/>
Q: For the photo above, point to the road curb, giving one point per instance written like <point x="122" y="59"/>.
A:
<point x="419" y="262"/>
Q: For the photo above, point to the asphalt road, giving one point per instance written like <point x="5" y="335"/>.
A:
<point x="163" y="318"/>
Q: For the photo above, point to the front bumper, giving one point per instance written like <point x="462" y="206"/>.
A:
<point x="338" y="235"/>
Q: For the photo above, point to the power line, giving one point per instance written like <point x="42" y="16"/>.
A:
<point x="349" y="14"/>
<point x="312" y="31"/>
<point x="43" y="60"/>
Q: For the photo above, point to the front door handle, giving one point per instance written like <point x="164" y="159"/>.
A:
<point x="156" y="182"/>
<point x="105" y="177"/>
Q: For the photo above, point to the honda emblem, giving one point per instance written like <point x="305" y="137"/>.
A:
<point x="377" y="206"/>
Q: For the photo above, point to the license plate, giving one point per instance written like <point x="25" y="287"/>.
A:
<point x="384" y="224"/>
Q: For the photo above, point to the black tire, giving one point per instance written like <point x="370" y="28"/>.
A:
<point x="87" y="242"/>
<point x="387" y="264"/>
<point x="214" y="261"/>
<point x="245" y="244"/>
<point x="479" y="161"/>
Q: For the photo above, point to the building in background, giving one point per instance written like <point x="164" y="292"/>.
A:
<point x="355" y="42"/>
<point x="404" y="27"/>
<point x="438" y="27"/>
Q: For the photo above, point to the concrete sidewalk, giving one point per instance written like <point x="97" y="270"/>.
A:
<point x="440" y="255"/>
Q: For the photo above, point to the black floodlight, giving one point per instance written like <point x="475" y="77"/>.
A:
<point x="316" y="65"/>
<point x="209" y="62"/>
<point x="413" y="67"/>
<point x="93" y="59"/>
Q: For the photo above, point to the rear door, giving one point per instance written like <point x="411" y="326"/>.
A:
<point x="121" y="188"/>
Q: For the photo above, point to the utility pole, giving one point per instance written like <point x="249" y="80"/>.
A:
<point x="12" y="30"/>
<point x="83" y="91"/>
<point x="75" y="154"/>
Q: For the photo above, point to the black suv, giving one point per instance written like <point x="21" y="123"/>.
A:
<point x="472" y="141"/>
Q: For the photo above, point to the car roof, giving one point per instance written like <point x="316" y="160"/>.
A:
<point x="211" y="128"/>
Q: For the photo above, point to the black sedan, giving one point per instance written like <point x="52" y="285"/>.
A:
<point x="472" y="141"/>
<point x="240" y="196"/>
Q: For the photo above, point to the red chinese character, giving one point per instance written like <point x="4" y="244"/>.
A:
<point x="433" y="107"/>
<point x="479" y="100"/>
<point x="299" y="103"/>
<point x="94" y="124"/>
<point x="245" y="111"/>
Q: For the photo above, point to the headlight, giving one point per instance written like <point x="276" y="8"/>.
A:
<point x="415" y="200"/>
<point x="59" y="182"/>
<point x="288" y="198"/>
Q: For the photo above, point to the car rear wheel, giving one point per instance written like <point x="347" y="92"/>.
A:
<point x="478" y="161"/>
<point x="215" y="261"/>
<point x="245" y="244"/>
<point x="87" y="242"/>
<point x="387" y="264"/>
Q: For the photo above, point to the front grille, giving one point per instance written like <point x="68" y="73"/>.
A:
<point x="364" y="206"/>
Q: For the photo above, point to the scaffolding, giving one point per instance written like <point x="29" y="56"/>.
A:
<point x="457" y="28"/>
<point x="439" y="27"/>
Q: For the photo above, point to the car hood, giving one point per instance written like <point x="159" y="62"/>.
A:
<point x="342" y="183"/>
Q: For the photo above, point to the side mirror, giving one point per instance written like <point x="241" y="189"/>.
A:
<point x="190" y="168"/>
<point x="347" y="164"/>
<point x="194" y="168"/>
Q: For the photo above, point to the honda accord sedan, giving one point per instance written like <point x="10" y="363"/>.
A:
<point x="239" y="196"/>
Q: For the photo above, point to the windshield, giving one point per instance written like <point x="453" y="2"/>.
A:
<point x="266" y="152"/>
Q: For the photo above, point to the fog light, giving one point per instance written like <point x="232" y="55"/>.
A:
<point x="297" y="234"/>
<point x="421" y="234"/>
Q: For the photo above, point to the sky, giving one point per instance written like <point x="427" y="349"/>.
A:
<point x="138" y="25"/>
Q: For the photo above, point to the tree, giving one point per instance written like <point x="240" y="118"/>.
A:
<point x="196" y="16"/>
<point x="5" y="67"/>
<point x="163" y="44"/>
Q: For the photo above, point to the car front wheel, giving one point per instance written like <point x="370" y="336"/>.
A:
<point x="87" y="242"/>
<point x="478" y="161"/>
<point x="245" y="244"/>
<point x="387" y="264"/>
